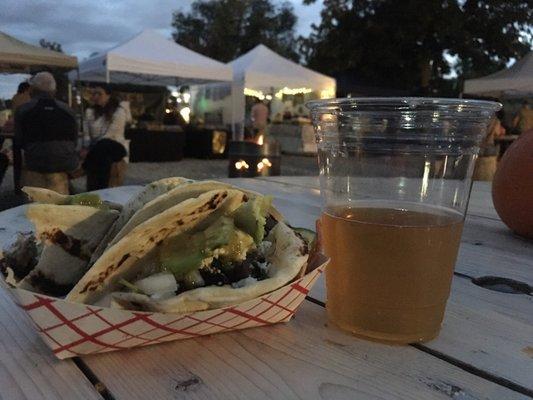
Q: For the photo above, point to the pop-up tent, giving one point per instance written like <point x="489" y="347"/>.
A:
<point x="264" y="74"/>
<point x="262" y="69"/>
<point x="516" y="80"/>
<point x="17" y="56"/>
<point x="151" y="59"/>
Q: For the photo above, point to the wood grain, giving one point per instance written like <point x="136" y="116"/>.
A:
<point x="489" y="330"/>
<point x="505" y="321"/>
<point x="28" y="369"/>
<point x="302" y="359"/>
<point x="299" y="360"/>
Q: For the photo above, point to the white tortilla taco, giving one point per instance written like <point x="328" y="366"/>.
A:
<point x="219" y="248"/>
<point x="53" y="259"/>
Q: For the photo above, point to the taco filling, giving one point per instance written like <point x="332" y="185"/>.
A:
<point x="231" y="251"/>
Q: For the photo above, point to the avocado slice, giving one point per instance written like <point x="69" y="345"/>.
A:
<point x="87" y="199"/>
<point x="184" y="253"/>
<point x="251" y="217"/>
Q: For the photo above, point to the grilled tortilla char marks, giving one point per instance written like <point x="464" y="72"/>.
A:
<point x="104" y="274"/>
<point x="68" y="243"/>
<point x="211" y="204"/>
<point x="47" y="285"/>
<point x="270" y="224"/>
<point x="304" y="248"/>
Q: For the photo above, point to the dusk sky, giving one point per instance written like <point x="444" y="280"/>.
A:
<point x="86" y="26"/>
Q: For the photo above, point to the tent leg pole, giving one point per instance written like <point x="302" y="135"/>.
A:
<point x="82" y="111"/>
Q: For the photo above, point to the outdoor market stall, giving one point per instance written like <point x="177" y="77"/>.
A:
<point x="264" y="74"/>
<point x="514" y="81"/>
<point x="151" y="59"/>
<point x="18" y="57"/>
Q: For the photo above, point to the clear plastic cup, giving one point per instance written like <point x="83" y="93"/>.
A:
<point x="395" y="178"/>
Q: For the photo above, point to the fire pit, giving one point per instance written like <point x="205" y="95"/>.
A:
<point x="249" y="159"/>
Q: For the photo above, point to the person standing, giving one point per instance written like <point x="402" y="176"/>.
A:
<point x="21" y="97"/>
<point x="105" y="163"/>
<point x="524" y="118"/>
<point x="259" y="117"/>
<point x="47" y="132"/>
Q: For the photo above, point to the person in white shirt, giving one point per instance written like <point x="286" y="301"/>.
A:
<point x="106" y="121"/>
<point x="108" y="117"/>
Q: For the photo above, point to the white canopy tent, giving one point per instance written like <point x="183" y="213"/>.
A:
<point x="151" y="59"/>
<point x="17" y="56"/>
<point x="516" y="80"/>
<point x="262" y="70"/>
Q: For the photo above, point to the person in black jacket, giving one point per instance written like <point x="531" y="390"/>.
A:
<point x="46" y="130"/>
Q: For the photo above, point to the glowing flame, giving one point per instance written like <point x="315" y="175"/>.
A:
<point x="260" y="140"/>
<point x="186" y="114"/>
<point x="265" y="162"/>
<point x="241" y="164"/>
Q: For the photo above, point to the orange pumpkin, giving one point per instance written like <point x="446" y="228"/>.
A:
<point x="512" y="187"/>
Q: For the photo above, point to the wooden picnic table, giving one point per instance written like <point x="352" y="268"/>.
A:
<point x="484" y="351"/>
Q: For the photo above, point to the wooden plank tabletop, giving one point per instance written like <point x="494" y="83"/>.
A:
<point x="485" y="349"/>
<point x="490" y="250"/>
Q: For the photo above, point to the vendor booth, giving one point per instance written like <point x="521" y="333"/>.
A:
<point x="150" y="59"/>
<point x="18" y="57"/>
<point x="514" y="81"/>
<point x="282" y="84"/>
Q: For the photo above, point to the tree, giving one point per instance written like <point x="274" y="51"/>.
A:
<point x="54" y="46"/>
<point x="225" y="29"/>
<point x="413" y="44"/>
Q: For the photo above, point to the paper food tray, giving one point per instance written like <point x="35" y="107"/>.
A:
<point x="74" y="329"/>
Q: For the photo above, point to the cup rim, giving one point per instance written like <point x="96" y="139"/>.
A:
<point x="404" y="103"/>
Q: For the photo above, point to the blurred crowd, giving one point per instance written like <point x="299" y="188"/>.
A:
<point x="46" y="133"/>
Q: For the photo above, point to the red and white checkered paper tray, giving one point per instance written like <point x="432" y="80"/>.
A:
<point x="74" y="329"/>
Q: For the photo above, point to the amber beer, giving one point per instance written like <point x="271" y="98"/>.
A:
<point x="390" y="271"/>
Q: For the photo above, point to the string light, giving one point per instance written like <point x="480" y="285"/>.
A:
<point x="254" y="93"/>
<point x="327" y="93"/>
<point x="289" y="91"/>
<point x="265" y="162"/>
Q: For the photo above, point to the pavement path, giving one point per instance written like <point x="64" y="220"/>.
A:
<point x="142" y="173"/>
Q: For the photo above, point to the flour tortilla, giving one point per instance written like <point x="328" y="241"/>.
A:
<point x="69" y="234"/>
<point x="47" y="196"/>
<point x="175" y="196"/>
<point x="126" y="258"/>
<point x="288" y="257"/>
<point x="147" y="194"/>
<point x="163" y="202"/>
